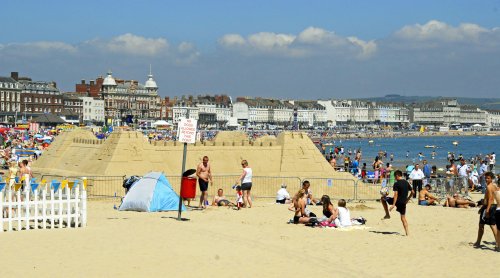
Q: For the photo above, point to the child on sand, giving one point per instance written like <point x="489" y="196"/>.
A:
<point x="239" y="197"/>
<point x="363" y="172"/>
<point x="344" y="216"/>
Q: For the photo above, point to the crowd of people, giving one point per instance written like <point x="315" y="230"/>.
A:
<point x="18" y="145"/>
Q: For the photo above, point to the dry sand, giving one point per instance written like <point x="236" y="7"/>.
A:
<point x="221" y="242"/>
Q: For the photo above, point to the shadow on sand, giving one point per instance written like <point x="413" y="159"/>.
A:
<point x="384" y="233"/>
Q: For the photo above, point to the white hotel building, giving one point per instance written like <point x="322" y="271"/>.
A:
<point x="354" y="112"/>
<point x="260" y="111"/>
<point x="92" y="110"/>
<point x="446" y="113"/>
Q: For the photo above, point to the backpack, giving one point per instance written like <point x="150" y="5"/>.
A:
<point x="127" y="183"/>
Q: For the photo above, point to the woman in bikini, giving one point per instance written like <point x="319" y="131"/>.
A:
<point x="299" y="206"/>
<point x="329" y="211"/>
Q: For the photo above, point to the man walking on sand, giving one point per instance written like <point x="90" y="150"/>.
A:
<point x="487" y="211"/>
<point x="399" y="200"/>
<point x="204" y="174"/>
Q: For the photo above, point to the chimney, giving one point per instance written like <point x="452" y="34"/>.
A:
<point x="83" y="82"/>
<point x="91" y="82"/>
<point x="15" y="75"/>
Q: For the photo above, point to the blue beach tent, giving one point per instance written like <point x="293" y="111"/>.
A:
<point x="151" y="193"/>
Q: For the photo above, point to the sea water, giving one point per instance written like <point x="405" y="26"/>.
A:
<point x="468" y="146"/>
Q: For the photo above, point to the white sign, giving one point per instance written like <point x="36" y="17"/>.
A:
<point x="186" y="131"/>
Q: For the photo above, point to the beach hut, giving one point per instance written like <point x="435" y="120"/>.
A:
<point x="151" y="193"/>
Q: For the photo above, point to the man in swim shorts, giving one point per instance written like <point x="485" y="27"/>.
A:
<point x="487" y="211"/>
<point x="204" y="174"/>
<point x="425" y="198"/>
<point x="458" y="202"/>
<point x="220" y="200"/>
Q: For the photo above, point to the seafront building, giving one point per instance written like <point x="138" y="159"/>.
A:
<point x="493" y="119"/>
<point x="10" y="99"/>
<point x="447" y="112"/>
<point x="22" y="99"/>
<point x="93" y="110"/>
<point x="262" y="112"/>
<point x="114" y="101"/>
<point x="362" y="113"/>
<point x="125" y="101"/>
<point x="210" y="111"/>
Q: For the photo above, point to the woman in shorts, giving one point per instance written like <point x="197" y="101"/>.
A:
<point x="246" y="183"/>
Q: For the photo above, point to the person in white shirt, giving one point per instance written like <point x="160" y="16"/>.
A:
<point x="344" y="216"/>
<point x="246" y="183"/>
<point x="283" y="197"/>
<point x="482" y="170"/>
<point x="416" y="176"/>
<point x="463" y="174"/>
<point x="493" y="158"/>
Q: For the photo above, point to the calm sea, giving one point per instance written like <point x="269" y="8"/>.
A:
<point x="468" y="146"/>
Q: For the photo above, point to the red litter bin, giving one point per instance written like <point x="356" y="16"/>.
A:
<point x="188" y="184"/>
<point x="188" y="187"/>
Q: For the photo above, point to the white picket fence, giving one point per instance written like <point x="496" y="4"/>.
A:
<point x="43" y="206"/>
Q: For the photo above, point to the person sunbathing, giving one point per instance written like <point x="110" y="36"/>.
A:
<point x="330" y="213"/>
<point x="299" y="207"/>
<point x="221" y="200"/>
<point x="425" y="198"/>
<point x="458" y="202"/>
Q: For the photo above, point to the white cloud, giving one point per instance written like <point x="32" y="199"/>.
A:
<point x="232" y="40"/>
<point x="318" y="36"/>
<point x="47" y="45"/>
<point x="312" y="41"/>
<point x="137" y="45"/>
<point x="439" y="31"/>
<point x="266" y="41"/>
<point x="33" y="48"/>
<point x="187" y="53"/>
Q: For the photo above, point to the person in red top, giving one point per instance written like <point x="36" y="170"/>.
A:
<point x="239" y="197"/>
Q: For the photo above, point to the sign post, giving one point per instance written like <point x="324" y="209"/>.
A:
<point x="186" y="133"/>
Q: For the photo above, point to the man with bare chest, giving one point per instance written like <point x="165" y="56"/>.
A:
<point x="487" y="211"/>
<point x="204" y="174"/>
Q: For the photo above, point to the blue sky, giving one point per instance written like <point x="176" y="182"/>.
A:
<point x="296" y="49"/>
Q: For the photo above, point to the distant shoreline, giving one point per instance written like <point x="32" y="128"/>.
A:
<point x="405" y="135"/>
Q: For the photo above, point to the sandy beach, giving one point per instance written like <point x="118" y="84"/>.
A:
<point x="252" y="242"/>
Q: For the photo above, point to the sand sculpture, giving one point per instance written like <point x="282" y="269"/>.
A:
<point x="128" y="152"/>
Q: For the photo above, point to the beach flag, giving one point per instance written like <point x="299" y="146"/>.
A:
<point x="153" y="192"/>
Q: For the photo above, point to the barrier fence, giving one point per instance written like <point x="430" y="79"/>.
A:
<point x="110" y="187"/>
<point x="262" y="186"/>
<point x="103" y="187"/>
<point x="335" y="188"/>
<point x="32" y="205"/>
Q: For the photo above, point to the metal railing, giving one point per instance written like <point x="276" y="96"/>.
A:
<point x="98" y="187"/>
<point x="108" y="187"/>
<point x="262" y="186"/>
<point x="102" y="187"/>
<point x="334" y="188"/>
